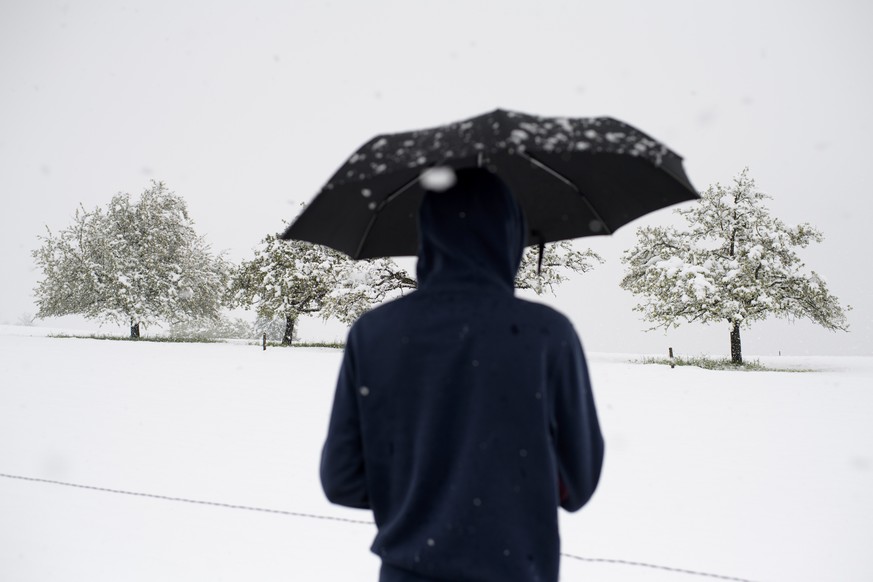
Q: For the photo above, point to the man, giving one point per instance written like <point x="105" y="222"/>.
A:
<point x="463" y="416"/>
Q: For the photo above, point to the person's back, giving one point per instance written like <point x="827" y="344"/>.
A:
<point x="463" y="416"/>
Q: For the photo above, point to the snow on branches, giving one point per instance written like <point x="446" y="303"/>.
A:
<point x="287" y="279"/>
<point x="134" y="261"/>
<point x="733" y="263"/>
<point x="560" y="259"/>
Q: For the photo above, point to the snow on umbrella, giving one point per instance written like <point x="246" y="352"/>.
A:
<point x="573" y="177"/>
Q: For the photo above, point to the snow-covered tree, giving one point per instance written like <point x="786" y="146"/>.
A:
<point x="137" y="262"/>
<point x="734" y="263"/>
<point x="287" y="279"/>
<point x="363" y="284"/>
<point x="360" y="285"/>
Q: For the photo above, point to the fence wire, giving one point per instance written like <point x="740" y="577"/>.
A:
<point x="192" y="501"/>
<point x="654" y="567"/>
<point x="342" y="520"/>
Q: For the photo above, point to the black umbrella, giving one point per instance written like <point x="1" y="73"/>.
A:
<point x="573" y="177"/>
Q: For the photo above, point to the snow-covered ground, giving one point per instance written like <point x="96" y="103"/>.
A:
<point x="766" y="476"/>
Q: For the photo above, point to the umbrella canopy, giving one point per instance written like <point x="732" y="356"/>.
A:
<point x="573" y="177"/>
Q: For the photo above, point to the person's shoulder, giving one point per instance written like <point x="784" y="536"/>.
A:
<point x="537" y="309"/>
<point x="542" y="313"/>
<point x="386" y="311"/>
<point x="555" y="329"/>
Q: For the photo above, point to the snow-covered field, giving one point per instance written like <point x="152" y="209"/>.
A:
<point x="766" y="476"/>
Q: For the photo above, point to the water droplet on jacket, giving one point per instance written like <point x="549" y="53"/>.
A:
<point x="371" y="206"/>
<point x="364" y="391"/>
<point x="523" y="452"/>
<point x="404" y="340"/>
<point x="366" y="192"/>
<point x="595" y="226"/>
<point x="477" y="502"/>
<point x="475" y="363"/>
<point x="538" y="396"/>
<point x="462" y="214"/>
<point x="431" y="542"/>
<point x="506" y="552"/>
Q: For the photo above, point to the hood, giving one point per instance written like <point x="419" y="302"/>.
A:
<point x="473" y="233"/>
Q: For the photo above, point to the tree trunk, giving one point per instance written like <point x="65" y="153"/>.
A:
<point x="134" y="330"/>
<point x="736" y="346"/>
<point x="289" y="330"/>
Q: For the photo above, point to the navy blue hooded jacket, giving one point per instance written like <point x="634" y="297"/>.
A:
<point x="463" y="416"/>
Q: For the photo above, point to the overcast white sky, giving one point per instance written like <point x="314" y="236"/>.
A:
<point x="246" y="109"/>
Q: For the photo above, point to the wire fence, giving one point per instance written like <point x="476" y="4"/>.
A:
<point x="654" y="567"/>
<point x="342" y="520"/>
<point x="184" y="500"/>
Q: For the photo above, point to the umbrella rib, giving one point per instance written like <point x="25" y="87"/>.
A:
<point x="400" y="191"/>
<point x="557" y="175"/>
<point x="390" y="198"/>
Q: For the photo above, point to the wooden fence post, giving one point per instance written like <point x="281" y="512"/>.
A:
<point x="672" y="363"/>
<point x="265" y="342"/>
